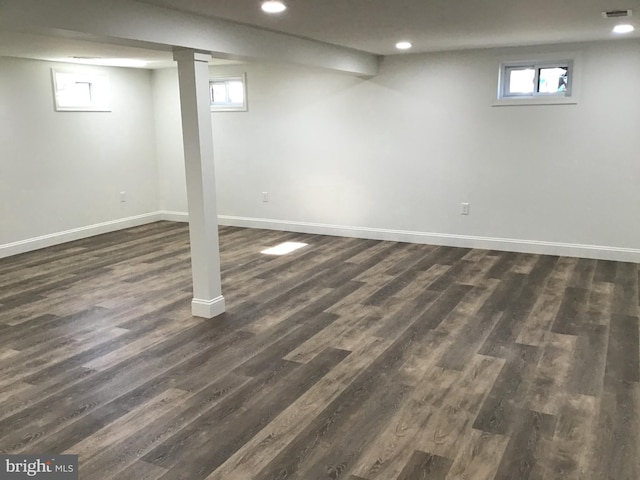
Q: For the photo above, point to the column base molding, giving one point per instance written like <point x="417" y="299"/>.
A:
<point x="207" y="308"/>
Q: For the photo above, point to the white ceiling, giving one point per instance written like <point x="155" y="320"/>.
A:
<point x="369" y="25"/>
<point x="431" y="25"/>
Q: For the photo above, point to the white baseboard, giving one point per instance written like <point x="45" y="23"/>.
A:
<point x="207" y="308"/>
<point x="57" y="238"/>
<point x="466" y="241"/>
<point x="173" y="216"/>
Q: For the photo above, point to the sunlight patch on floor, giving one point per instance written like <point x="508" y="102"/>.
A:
<point x="284" y="248"/>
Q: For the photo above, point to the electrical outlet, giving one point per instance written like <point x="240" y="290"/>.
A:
<point x="123" y="196"/>
<point x="265" y="197"/>
<point x="464" y="208"/>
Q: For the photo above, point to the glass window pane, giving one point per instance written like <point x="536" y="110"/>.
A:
<point x="521" y="81"/>
<point x="218" y="93"/>
<point x="236" y="92"/>
<point x="81" y="91"/>
<point x="228" y="94"/>
<point x="72" y="93"/>
<point x="553" y="79"/>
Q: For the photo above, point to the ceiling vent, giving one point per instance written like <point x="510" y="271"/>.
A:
<point x="616" y="14"/>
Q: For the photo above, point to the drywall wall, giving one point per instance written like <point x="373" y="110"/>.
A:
<point x="394" y="156"/>
<point x="172" y="183"/>
<point x="63" y="171"/>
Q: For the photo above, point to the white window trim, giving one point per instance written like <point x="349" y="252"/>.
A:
<point x="228" y="108"/>
<point x="547" y="59"/>
<point x="78" y="108"/>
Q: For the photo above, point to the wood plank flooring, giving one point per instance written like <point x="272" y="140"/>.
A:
<point x="347" y="359"/>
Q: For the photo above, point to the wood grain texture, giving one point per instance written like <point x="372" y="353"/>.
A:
<point x="423" y="466"/>
<point x="348" y="359"/>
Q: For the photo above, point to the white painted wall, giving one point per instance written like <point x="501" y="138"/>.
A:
<point x="172" y="183"/>
<point x="402" y="150"/>
<point x="61" y="171"/>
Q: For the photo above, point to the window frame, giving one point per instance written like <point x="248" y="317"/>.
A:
<point x="507" y="67"/>
<point x="85" y="77"/>
<point x="539" y="59"/>
<point x="228" y="107"/>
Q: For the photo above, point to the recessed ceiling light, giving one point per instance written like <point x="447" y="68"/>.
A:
<point x="625" y="28"/>
<point x="403" y="45"/>
<point x="273" y="6"/>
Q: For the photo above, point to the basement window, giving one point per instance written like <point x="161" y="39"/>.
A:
<point x="547" y="82"/>
<point x="228" y="94"/>
<point x="81" y="92"/>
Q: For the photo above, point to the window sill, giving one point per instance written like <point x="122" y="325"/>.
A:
<point x="528" y="101"/>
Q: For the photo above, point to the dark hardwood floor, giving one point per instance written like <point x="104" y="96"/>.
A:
<point x="348" y="359"/>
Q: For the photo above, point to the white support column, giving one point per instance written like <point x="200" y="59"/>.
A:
<point x="193" y="73"/>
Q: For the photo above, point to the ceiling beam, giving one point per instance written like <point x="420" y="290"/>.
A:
<point x="135" y="22"/>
